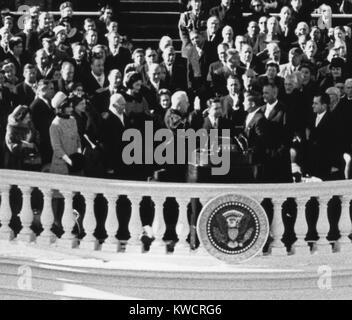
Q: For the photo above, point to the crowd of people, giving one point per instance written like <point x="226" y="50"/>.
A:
<point x="283" y="82"/>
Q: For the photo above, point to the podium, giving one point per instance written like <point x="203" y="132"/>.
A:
<point x="242" y="168"/>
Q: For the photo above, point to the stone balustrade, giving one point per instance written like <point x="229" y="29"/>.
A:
<point x="310" y="237"/>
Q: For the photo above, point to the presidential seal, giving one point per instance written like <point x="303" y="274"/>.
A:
<point x="233" y="228"/>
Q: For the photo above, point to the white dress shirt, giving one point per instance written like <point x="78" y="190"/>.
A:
<point x="250" y="116"/>
<point x="199" y="51"/>
<point x="269" y="108"/>
<point x="119" y="115"/>
<point x="214" y="122"/>
<point x="235" y="99"/>
<point x="100" y="79"/>
<point x="155" y="85"/>
<point x="319" y="117"/>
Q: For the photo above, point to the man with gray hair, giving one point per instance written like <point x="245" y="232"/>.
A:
<point x="101" y="100"/>
<point x="213" y="33"/>
<point x="113" y="126"/>
<point x="176" y="74"/>
<point x="176" y="115"/>
<point x="339" y="115"/>
<point x="153" y="85"/>
<point x="119" y="56"/>
<point x="67" y="75"/>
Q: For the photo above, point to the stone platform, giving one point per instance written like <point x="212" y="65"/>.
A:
<point x="31" y="272"/>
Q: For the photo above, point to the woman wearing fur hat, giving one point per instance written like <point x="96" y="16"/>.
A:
<point x="22" y="140"/>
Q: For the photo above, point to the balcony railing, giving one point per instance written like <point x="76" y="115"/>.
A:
<point x="89" y="188"/>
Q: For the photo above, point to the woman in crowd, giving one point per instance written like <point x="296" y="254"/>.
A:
<point x="138" y="64"/>
<point x="22" y="141"/>
<point x="64" y="135"/>
<point x="136" y="105"/>
<point x="10" y="76"/>
<point x="164" y="98"/>
<point x="87" y="125"/>
<point x="66" y="146"/>
<point x="336" y="74"/>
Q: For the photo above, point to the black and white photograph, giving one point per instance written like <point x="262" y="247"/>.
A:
<point x="175" y="154"/>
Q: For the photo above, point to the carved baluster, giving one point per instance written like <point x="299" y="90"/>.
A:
<point x="159" y="227"/>
<point x="135" y="225"/>
<point x="26" y="216"/>
<point x="301" y="227"/>
<point x="47" y="219"/>
<point x="182" y="227"/>
<point x="68" y="239"/>
<point x="345" y="224"/>
<point x="89" y="222"/>
<point x="111" y="223"/>
<point x="323" y="226"/>
<point x="277" y="228"/>
<point x="201" y="250"/>
<point x="6" y="232"/>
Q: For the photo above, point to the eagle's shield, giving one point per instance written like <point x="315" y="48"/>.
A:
<point x="232" y="233"/>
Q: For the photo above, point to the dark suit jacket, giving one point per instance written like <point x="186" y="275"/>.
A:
<point x="112" y="132"/>
<point x="63" y="86"/>
<point x="24" y="59"/>
<point x="91" y="85"/>
<point x="151" y="94"/>
<point x="278" y="166"/>
<point x="320" y="148"/>
<point x="219" y="79"/>
<point x="178" y="79"/>
<point x="42" y="117"/>
<point x="279" y="82"/>
<point x="24" y="94"/>
<point x="119" y="61"/>
<point x="212" y="68"/>
<point x="236" y="117"/>
<point x="223" y="123"/>
<point x="81" y="70"/>
<point x="6" y="107"/>
<point x="48" y="74"/>
<point x="31" y="42"/>
<point x="256" y="133"/>
<point x="278" y="125"/>
<point x="207" y="58"/>
<point x="231" y="17"/>
<point x="255" y="65"/>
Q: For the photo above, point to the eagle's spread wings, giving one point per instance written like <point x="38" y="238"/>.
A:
<point x="221" y="220"/>
<point x="243" y="225"/>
